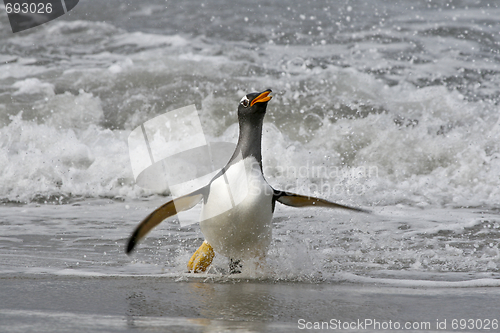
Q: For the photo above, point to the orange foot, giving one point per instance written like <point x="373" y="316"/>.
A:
<point x="202" y="258"/>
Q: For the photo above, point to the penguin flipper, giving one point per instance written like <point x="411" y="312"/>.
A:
<point x="297" y="200"/>
<point x="171" y="208"/>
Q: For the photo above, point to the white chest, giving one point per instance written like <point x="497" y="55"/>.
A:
<point x="236" y="218"/>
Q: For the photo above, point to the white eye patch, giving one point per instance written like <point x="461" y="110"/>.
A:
<point x="245" y="101"/>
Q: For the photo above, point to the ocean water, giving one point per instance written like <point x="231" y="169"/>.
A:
<point x="387" y="105"/>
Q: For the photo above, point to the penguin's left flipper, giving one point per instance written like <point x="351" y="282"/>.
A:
<point x="297" y="200"/>
<point x="158" y="215"/>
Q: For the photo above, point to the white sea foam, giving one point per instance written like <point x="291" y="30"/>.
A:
<point x="141" y="39"/>
<point x="428" y="146"/>
<point x="63" y="156"/>
<point x="418" y="283"/>
<point x="33" y="86"/>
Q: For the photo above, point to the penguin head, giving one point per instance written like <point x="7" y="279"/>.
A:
<point x="254" y="103"/>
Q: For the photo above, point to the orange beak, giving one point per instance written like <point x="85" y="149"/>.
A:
<point x="262" y="97"/>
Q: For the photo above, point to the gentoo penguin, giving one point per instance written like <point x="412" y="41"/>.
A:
<point x="243" y="231"/>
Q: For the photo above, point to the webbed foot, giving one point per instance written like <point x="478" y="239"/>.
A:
<point x="201" y="259"/>
<point x="235" y="266"/>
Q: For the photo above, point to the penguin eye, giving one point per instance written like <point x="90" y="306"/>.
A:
<point x="245" y="102"/>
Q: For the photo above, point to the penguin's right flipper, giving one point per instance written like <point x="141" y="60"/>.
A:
<point x="297" y="200"/>
<point x="158" y="215"/>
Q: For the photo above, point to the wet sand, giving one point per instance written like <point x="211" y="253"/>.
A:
<point x="47" y="303"/>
